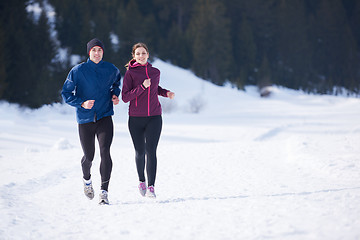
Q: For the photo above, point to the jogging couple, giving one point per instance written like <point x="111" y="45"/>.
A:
<point x="93" y="87"/>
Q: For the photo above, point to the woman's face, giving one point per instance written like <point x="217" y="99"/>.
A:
<point x="96" y="54"/>
<point x="141" y="55"/>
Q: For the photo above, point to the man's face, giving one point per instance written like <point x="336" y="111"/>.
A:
<point x="96" y="54"/>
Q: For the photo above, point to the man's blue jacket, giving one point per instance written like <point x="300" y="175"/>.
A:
<point x="91" y="81"/>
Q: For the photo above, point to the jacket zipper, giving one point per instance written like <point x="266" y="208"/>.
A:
<point x="146" y="69"/>
<point x="149" y="102"/>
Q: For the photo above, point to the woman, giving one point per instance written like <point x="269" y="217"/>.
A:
<point x="141" y="88"/>
<point x="93" y="87"/>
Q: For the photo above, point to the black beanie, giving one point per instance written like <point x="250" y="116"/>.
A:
<point x="92" y="43"/>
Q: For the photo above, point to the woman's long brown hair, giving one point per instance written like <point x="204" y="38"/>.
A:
<point x="136" y="46"/>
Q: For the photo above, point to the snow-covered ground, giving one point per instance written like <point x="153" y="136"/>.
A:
<point x="243" y="167"/>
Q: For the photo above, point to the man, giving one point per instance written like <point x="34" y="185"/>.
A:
<point x="92" y="88"/>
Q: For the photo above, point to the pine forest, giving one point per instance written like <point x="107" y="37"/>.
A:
<point x="308" y="45"/>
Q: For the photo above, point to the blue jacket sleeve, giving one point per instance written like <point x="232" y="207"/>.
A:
<point x="115" y="88"/>
<point x="69" y="90"/>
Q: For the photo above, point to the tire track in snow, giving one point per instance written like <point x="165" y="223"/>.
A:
<point x="190" y="199"/>
<point x="269" y="134"/>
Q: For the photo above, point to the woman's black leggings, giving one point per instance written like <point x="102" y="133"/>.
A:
<point x="104" y="130"/>
<point x="145" y="133"/>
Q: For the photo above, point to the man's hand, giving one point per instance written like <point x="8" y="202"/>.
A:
<point x="88" y="104"/>
<point x="115" y="99"/>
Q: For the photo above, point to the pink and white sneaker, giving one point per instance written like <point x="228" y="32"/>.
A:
<point x="150" y="192"/>
<point x="142" y="188"/>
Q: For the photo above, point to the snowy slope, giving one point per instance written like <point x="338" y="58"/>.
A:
<point x="243" y="167"/>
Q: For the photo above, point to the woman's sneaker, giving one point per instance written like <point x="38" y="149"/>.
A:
<point x="150" y="192"/>
<point x="103" y="196"/>
<point x="88" y="189"/>
<point x="142" y="188"/>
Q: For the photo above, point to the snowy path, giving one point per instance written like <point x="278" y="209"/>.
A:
<point x="280" y="168"/>
<point x="298" y="181"/>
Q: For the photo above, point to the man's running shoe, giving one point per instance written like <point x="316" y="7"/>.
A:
<point x="103" y="197"/>
<point x="88" y="189"/>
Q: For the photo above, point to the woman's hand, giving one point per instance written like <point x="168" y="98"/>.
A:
<point x="88" y="104"/>
<point x="147" y="83"/>
<point x="115" y="99"/>
<point x="170" y="95"/>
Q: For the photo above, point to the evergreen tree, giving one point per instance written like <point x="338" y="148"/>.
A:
<point x="128" y="29"/>
<point x="45" y="89"/>
<point x="256" y="20"/>
<point x="264" y="78"/>
<point x="3" y="84"/>
<point x="101" y="27"/>
<point x="301" y="44"/>
<point x="29" y="54"/>
<point x="211" y="42"/>
<point x="294" y="52"/>
<point x="336" y="47"/>
<point x="173" y="19"/>
<point x="19" y="29"/>
<point x="352" y="8"/>
<point x="74" y="24"/>
<point x="177" y="47"/>
<point x="245" y="53"/>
